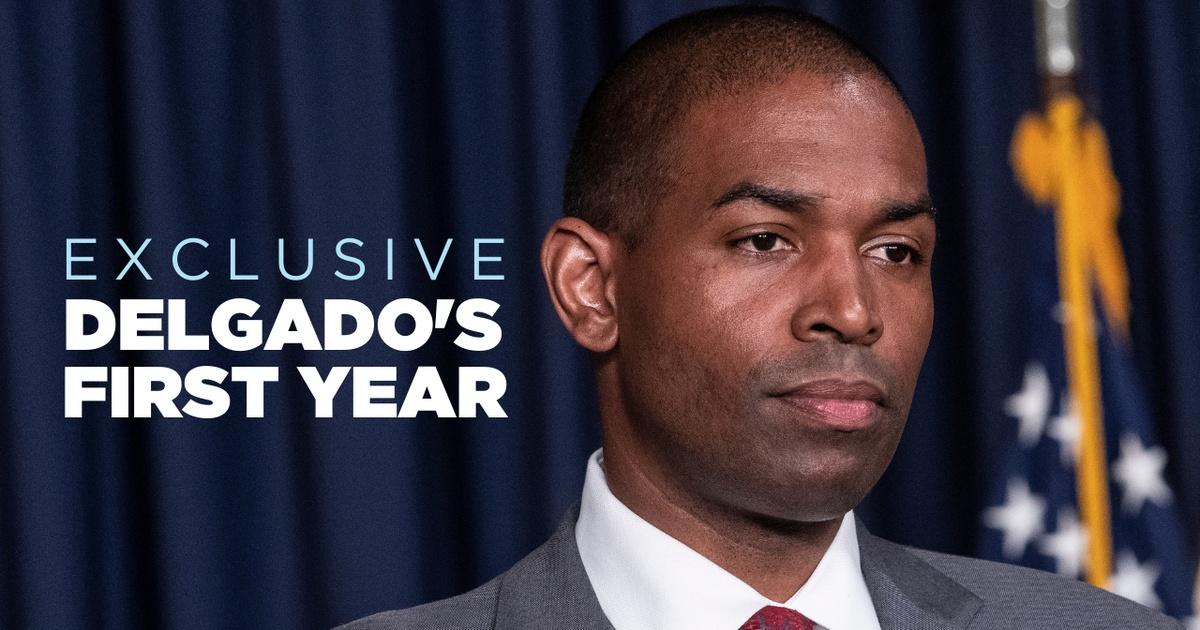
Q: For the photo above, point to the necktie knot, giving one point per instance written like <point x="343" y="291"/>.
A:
<point x="777" y="618"/>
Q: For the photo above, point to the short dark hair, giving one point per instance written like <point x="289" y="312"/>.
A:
<point x="618" y="169"/>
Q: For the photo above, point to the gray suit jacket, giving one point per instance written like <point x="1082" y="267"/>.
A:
<point x="911" y="589"/>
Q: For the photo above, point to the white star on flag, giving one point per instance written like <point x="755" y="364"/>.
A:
<point x="1139" y="471"/>
<point x="1067" y="428"/>
<point x="1135" y="581"/>
<point x="1031" y="405"/>
<point x="1020" y="518"/>
<point x="1067" y="545"/>
<point x="1058" y="312"/>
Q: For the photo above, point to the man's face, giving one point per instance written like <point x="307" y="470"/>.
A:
<point x="773" y="321"/>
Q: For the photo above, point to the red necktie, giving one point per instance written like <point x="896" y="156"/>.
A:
<point x="777" y="618"/>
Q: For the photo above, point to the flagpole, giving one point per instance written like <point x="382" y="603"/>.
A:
<point x="1058" y="63"/>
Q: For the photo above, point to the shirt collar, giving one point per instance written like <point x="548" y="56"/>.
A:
<point x="644" y="578"/>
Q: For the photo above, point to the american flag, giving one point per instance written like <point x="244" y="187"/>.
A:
<point x="1034" y="515"/>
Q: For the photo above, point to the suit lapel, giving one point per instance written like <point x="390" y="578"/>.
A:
<point x="550" y="588"/>
<point x="907" y="592"/>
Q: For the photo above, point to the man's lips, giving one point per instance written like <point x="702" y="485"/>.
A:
<point x="843" y="404"/>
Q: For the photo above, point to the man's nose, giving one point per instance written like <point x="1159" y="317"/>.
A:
<point x="837" y="302"/>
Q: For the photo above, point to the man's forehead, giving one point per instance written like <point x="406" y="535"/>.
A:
<point x="806" y="114"/>
<point x="801" y="94"/>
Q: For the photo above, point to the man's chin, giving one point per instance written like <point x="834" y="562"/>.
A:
<point x="812" y="509"/>
<point x="811" y="501"/>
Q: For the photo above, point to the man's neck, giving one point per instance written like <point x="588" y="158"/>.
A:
<point x="774" y="557"/>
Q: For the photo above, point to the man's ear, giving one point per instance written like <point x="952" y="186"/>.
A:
<point x="578" y="262"/>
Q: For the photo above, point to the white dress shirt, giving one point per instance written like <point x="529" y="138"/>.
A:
<point x="646" y="580"/>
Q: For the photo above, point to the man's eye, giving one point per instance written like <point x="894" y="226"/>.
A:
<point x="897" y="254"/>
<point x="761" y="242"/>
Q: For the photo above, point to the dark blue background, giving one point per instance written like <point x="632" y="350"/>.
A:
<point x="265" y="120"/>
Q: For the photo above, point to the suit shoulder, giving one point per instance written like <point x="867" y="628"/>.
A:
<point x="473" y="610"/>
<point x="1020" y="595"/>
<point x="524" y="590"/>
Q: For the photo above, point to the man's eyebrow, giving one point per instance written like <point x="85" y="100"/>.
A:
<point x="796" y="201"/>
<point x="783" y="199"/>
<point x="902" y="211"/>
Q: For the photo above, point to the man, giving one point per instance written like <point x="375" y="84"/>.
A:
<point x="746" y="254"/>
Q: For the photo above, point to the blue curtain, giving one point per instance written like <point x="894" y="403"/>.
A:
<point x="374" y="120"/>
